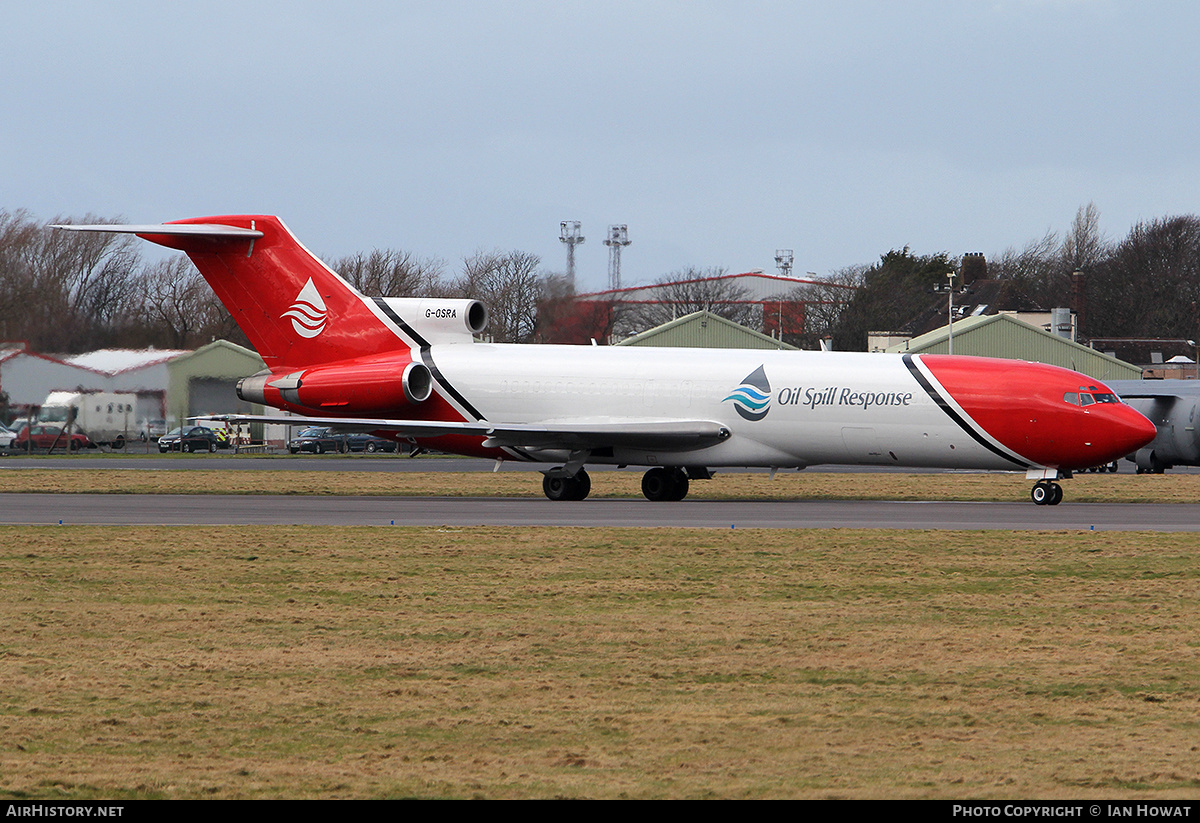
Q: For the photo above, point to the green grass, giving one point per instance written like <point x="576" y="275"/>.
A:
<point x="495" y="662"/>
<point x="1086" y="488"/>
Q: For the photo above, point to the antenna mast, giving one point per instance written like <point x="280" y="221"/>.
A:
<point x="569" y="233"/>
<point x="618" y="238"/>
<point x="783" y="261"/>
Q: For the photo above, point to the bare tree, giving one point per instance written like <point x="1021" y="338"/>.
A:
<point x="509" y="284"/>
<point x="67" y="291"/>
<point x="1035" y="272"/>
<point x="392" y="273"/>
<point x="180" y="310"/>
<point x="825" y="301"/>
<point x="19" y="236"/>
<point x="1149" y="286"/>
<point x="689" y="290"/>
<point x="1085" y="245"/>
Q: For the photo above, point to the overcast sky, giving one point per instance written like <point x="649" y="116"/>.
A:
<point x="718" y="131"/>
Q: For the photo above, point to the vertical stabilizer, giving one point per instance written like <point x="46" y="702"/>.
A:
<point x="295" y="310"/>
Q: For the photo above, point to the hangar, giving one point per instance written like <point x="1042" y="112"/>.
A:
<point x="705" y="330"/>
<point x="1002" y="335"/>
<point x="170" y="384"/>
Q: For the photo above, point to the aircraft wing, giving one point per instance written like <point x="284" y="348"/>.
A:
<point x="673" y="435"/>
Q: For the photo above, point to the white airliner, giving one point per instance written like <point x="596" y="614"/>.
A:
<point x="412" y="369"/>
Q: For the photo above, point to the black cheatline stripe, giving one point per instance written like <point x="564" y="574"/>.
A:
<point x="427" y="357"/>
<point x="399" y="321"/>
<point x="955" y="416"/>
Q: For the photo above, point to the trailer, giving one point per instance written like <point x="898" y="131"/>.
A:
<point x="108" y="418"/>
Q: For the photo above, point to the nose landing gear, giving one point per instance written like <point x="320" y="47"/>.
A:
<point x="1046" y="493"/>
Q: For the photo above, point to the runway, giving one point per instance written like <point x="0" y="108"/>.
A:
<point x="196" y="510"/>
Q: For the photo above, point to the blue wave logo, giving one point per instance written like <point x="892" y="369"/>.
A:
<point x="752" y="399"/>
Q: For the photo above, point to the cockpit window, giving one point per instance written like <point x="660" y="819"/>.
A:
<point x="1072" y="398"/>
<point x="1105" y="397"/>
<point x="1085" y="399"/>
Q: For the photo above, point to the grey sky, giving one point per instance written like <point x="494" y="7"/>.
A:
<point x="717" y="131"/>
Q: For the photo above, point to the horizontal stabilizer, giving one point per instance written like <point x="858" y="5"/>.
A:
<point x="178" y="229"/>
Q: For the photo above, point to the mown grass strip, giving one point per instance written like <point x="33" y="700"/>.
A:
<point x="1110" y="488"/>
<point x="541" y="662"/>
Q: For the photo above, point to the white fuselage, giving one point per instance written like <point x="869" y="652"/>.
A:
<point x="823" y="407"/>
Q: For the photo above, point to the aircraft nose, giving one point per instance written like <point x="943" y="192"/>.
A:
<point x="1132" y="430"/>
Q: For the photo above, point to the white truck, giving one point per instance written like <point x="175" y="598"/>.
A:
<point x="108" y="418"/>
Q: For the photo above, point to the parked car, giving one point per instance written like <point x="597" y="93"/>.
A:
<point x="7" y="436"/>
<point x="317" y="439"/>
<point x="370" y="443"/>
<point x="190" y="439"/>
<point x="46" y="437"/>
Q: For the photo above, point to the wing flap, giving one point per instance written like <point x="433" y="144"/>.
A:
<point x="668" y="435"/>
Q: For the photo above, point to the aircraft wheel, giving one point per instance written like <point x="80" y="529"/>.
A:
<point x="661" y="484"/>
<point x="1040" y="493"/>
<point x="679" y="484"/>
<point x="655" y="484"/>
<point x="1045" y="493"/>
<point x="559" y="486"/>
<point x="581" y="485"/>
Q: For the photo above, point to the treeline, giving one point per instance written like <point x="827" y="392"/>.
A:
<point x="71" y="292"/>
<point x="1145" y="285"/>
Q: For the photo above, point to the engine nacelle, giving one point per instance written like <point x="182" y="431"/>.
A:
<point x="360" y="387"/>
<point x="441" y="321"/>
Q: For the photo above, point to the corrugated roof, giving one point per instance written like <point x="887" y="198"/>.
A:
<point x="114" y="361"/>
<point x="704" y="330"/>
<point x="1002" y="335"/>
<point x="758" y="287"/>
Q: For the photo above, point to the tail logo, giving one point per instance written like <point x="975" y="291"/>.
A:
<point x="308" y="313"/>
<point x="752" y="398"/>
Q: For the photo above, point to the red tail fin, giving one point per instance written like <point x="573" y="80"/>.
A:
<point x="295" y="309"/>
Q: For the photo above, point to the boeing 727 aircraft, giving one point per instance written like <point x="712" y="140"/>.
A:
<point x="412" y="368"/>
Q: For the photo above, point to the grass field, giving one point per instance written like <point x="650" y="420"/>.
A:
<point x="1084" y="488"/>
<point x="502" y="663"/>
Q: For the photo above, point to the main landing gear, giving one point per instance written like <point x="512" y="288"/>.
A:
<point x="1046" y="493"/>
<point x="558" y="485"/>
<point x="662" y="483"/>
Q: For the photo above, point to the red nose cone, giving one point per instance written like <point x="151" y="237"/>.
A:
<point x="1035" y="411"/>
<point x="1135" y="430"/>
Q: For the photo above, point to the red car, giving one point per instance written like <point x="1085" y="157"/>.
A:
<point x="46" y="437"/>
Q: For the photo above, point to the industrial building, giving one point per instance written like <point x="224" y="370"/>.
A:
<point x="705" y="330"/>
<point x="170" y="385"/>
<point x="1003" y="335"/>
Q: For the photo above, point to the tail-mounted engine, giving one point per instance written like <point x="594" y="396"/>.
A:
<point x="364" y="386"/>
<point x="440" y="321"/>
